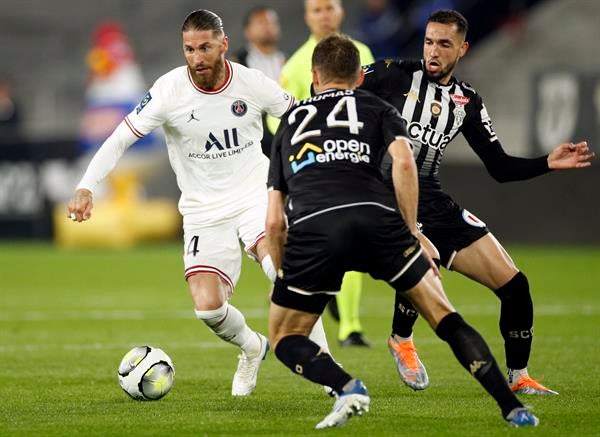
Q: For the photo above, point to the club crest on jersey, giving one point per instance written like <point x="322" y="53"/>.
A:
<point x="472" y="219"/>
<point x="459" y="115"/>
<point x="143" y="103"/>
<point x="239" y="108"/>
<point x="459" y="100"/>
<point x="436" y="108"/>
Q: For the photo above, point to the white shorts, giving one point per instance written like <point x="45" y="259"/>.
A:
<point x="215" y="248"/>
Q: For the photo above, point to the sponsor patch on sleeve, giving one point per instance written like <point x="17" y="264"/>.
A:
<point x="143" y="103"/>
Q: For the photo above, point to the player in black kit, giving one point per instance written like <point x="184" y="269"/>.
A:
<point x="437" y="107"/>
<point x="326" y="160"/>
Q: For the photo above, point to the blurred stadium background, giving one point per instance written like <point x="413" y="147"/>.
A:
<point x="535" y="63"/>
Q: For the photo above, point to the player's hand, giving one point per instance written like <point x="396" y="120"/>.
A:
<point x="569" y="155"/>
<point x="80" y="206"/>
<point x="429" y="251"/>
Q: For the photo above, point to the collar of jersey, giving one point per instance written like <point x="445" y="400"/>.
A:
<point x="228" y="77"/>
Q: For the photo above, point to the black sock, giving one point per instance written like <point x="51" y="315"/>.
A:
<point x="516" y="320"/>
<point x="405" y="315"/>
<point x="302" y="356"/>
<point x="474" y="355"/>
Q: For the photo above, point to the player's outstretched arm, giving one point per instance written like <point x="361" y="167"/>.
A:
<point x="568" y="156"/>
<point x="276" y="227"/>
<point x="80" y="206"/>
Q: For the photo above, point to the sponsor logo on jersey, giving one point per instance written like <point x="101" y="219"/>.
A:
<point x="333" y="150"/>
<point x="239" y="108"/>
<point x="217" y="147"/>
<point x="143" y="103"/>
<point x="367" y="69"/>
<point x="388" y="62"/>
<point x="459" y="100"/>
<point x="472" y="219"/>
<point x="192" y="117"/>
<point x="412" y="94"/>
<point x="308" y="152"/>
<point x="428" y="135"/>
<point x="436" y="108"/>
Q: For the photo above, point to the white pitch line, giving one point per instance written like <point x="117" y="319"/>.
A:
<point x="262" y="313"/>
<point x="107" y="346"/>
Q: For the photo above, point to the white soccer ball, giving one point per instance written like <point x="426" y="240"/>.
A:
<point x="146" y="373"/>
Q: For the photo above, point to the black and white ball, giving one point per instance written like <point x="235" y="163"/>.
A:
<point x="146" y="373"/>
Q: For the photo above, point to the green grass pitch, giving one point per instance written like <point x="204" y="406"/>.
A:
<point x="67" y="318"/>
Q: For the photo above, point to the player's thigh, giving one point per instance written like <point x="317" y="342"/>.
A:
<point x="486" y="262"/>
<point x="251" y="225"/>
<point x="451" y="230"/>
<point x="213" y="249"/>
<point x="284" y="321"/>
<point x="429" y="299"/>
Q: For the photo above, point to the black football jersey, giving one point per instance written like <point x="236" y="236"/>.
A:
<point x="328" y="149"/>
<point x="434" y="113"/>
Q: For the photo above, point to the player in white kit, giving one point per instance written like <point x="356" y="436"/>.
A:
<point x="210" y="111"/>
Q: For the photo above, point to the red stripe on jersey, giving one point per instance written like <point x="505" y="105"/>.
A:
<point x="190" y="271"/>
<point x="256" y="241"/>
<point x="228" y="77"/>
<point x="136" y="132"/>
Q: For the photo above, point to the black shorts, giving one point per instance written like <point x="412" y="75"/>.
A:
<point x="449" y="226"/>
<point x="320" y="250"/>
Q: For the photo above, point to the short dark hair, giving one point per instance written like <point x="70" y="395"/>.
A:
<point x="252" y="12"/>
<point x="449" y="16"/>
<point x="336" y="57"/>
<point x="203" y="19"/>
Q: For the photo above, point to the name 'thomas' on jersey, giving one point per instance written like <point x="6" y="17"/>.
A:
<point x="213" y="137"/>
<point x="434" y="113"/>
<point x="328" y="150"/>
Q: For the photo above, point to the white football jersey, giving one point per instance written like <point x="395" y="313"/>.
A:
<point x="213" y="137"/>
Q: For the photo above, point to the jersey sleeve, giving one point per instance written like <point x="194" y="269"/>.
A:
<point x="107" y="156"/>
<point x="145" y="117"/>
<point x="273" y="99"/>
<point x="370" y="81"/>
<point x="482" y="138"/>
<point x="394" y="126"/>
<point x="150" y="113"/>
<point x="276" y="179"/>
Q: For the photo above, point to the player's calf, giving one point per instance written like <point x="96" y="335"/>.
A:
<point x="474" y="355"/>
<point x="304" y="357"/>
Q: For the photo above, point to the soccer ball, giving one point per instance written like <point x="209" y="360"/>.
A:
<point x="146" y="373"/>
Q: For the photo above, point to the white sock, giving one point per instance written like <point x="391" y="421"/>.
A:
<point x="318" y="336"/>
<point x="403" y="338"/>
<point x="230" y="325"/>
<point x="515" y="374"/>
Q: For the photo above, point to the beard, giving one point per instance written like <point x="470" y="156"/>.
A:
<point x="442" y="73"/>
<point x="209" y="79"/>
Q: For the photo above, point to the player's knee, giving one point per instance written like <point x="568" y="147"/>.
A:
<point x="212" y="317"/>
<point x="269" y="268"/>
<point x="516" y="291"/>
<point x="296" y="351"/>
